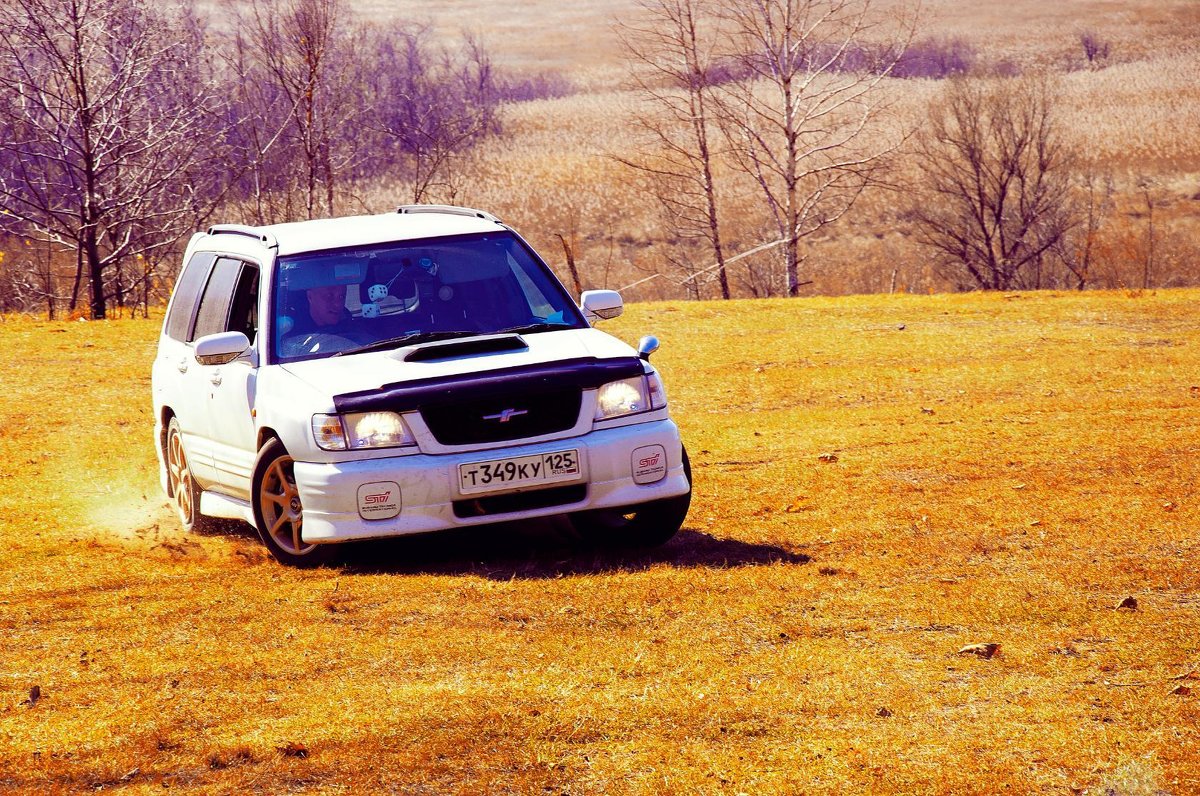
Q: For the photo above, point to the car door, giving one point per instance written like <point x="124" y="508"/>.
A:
<point x="232" y="389"/>
<point x="225" y="428"/>
<point x="178" y="382"/>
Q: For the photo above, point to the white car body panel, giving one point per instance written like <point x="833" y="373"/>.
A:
<point x="232" y="401"/>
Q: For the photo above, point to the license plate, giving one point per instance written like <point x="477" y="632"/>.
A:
<point x="540" y="468"/>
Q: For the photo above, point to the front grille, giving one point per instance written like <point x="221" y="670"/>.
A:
<point x="516" y="415"/>
<point x="520" y="501"/>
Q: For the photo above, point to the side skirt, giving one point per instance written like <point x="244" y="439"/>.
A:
<point x="225" y="507"/>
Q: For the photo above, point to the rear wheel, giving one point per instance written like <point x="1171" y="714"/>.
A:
<point x="182" y="488"/>
<point x="278" y="512"/>
<point x="644" y="525"/>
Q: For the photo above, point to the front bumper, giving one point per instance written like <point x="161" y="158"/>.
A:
<point x="428" y="484"/>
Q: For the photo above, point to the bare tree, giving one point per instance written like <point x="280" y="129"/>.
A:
<point x="1147" y="186"/>
<point x="1076" y="250"/>
<point x="104" y="125"/>
<point x="28" y="280"/>
<point x="297" y="69"/>
<point x="996" y="176"/>
<point x="807" y="121"/>
<point x="429" y="105"/>
<point x="674" y="52"/>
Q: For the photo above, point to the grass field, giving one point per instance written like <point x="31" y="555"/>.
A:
<point x="880" y="482"/>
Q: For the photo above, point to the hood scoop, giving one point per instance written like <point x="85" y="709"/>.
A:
<point x="452" y="349"/>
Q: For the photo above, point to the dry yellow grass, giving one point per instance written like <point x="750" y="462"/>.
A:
<point x="1008" y="468"/>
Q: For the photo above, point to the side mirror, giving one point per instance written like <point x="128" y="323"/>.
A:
<point x="647" y="346"/>
<point x="601" y="305"/>
<point x="221" y="348"/>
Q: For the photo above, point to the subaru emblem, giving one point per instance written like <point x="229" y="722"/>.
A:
<point x="506" y="415"/>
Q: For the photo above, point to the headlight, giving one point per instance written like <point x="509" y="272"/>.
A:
<point x="624" y="397"/>
<point x="361" y="430"/>
<point x="376" y="430"/>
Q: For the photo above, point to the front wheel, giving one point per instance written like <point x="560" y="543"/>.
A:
<point x="644" y="525"/>
<point x="278" y="512"/>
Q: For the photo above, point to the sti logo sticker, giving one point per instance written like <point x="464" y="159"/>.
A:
<point x="649" y="464"/>
<point x="379" y="500"/>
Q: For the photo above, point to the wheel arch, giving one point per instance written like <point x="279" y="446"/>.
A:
<point x="166" y="415"/>
<point x="265" y="435"/>
<point x="164" y="421"/>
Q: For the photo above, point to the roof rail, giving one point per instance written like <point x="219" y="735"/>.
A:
<point x="449" y="209"/>
<point x="265" y="238"/>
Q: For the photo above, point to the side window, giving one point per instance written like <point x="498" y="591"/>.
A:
<point x="243" y="314"/>
<point x="187" y="290"/>
<point x="217" y="299"/>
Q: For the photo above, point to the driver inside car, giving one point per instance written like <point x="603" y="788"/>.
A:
<point x="327" y="305"/>
<point x="324" y="325"/>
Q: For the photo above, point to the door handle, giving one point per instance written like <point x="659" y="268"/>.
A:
<point x="215" y="378"/>
<point x="183" y="365"/>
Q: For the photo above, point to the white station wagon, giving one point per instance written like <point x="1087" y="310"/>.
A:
<point x="357" y="378"/>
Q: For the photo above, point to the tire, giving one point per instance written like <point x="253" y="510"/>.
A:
<point x="644" y="525"/>
<point x="182" y="488"/>
<point x="278" y="513"/>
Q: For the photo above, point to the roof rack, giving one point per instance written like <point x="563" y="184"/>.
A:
<point x="448" y="209"/>
<point x="265" y="238"/>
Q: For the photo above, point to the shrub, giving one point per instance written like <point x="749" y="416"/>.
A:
<point x="936" y="58"/>
<point x="1095" y="48"/>
<point x="529" y="88"/>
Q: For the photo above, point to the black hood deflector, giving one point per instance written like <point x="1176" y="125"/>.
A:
<point x="583" y="373"/>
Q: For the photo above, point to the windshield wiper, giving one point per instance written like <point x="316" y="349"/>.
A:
<point x="405" y="339"/>
<point x="529" y="328"/>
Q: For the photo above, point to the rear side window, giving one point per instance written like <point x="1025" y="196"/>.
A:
<point x="214" y="313"/>
<point x="187" y="291"/>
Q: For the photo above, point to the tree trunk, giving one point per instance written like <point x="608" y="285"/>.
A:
<point x="571" y="265"/>
<point x="78" y="280"/>
<point x="91" y="250"/>
<point x="1149" y="263"/>
<point x="791" y="177"/>
<point x="710" y="195"/>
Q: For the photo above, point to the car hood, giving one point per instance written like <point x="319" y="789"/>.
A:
<point x="372" y="370"/>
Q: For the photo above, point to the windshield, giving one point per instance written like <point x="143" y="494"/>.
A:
<point x="387" y="295"/>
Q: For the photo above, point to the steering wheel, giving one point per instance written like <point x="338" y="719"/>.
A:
<point x="316" y="343"/>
